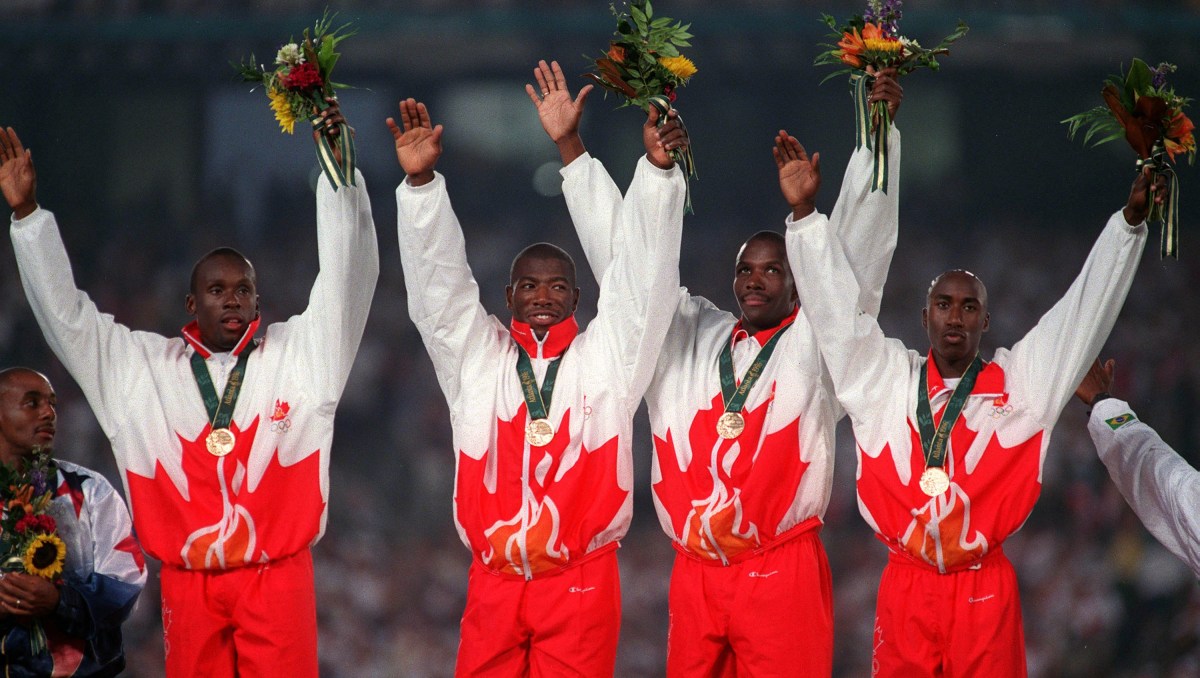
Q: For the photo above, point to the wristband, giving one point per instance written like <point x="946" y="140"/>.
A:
<point x="1100" y="396"/>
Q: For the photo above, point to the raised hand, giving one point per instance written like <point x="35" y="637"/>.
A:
<point x="558" y="111"/>
<point x="328" y="122"/>
<point x="1138" y="207"/>
<point x="1099" y="379"/>
<point x="18" y="178"/>
<point x="418" y="144"/>
<point x="660" y="141"/>
<point x="886" y="88"/>
<point x="799" y="175"/>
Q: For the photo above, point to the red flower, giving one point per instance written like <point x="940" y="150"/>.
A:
<point x="302" y="77"/>
<point x="670" y="92"/>
<point x="35" y="523"/>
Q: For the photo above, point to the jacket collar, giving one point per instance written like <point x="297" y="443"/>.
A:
<point x="557" y="338"/>
<point x="191" y="334"/>
<point x="990" y="381"/>
<point x="763" y="336"/>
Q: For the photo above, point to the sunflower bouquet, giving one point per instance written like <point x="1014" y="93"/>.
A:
<point x="29" y="540"/>
<point x="1140" y="106"/>
<point x="644" y="66"/>
<point x="298" y="86"/>
<point x="868" y="43"/>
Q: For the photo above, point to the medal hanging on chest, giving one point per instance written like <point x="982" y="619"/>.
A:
<point x="220" y="441"/>
<point x="935" y="443"/>
<point x="539" y="431"/>
<point x="731" y="423"/>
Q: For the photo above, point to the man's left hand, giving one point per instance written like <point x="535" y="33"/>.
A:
<point x="26" y="595"/>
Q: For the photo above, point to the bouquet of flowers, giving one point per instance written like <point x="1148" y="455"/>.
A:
<point x="1140" y="106"/>
<point x="872" y="42"/>
<point x="29" y="540"/>
<point x="643" y="65"/>
<point x="298" y="86"/>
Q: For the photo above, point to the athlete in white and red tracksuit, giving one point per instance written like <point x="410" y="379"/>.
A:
<point x="750" y="588"/>
<point x="233" y="532"/>
<point x="541" y="519"/>
<point x="948" y="602"/>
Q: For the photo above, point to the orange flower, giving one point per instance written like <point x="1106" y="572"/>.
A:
<point x="616" y="53"/>
<point x="853" y="44"/>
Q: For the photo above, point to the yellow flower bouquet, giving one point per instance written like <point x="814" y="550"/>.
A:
<point x="298" y="86"/>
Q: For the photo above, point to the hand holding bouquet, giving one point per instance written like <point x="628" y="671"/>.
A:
<point x="867" y="44"/>
<point x="1140" y="106"/>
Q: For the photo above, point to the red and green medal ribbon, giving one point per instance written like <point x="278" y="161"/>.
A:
<point x="338" y="175"/>
<point x="861" y="84"/>
<point x="1168" y="213"/>
<point x="682" y="156"/>
<point x="935" y="443"/>
<point x="220" y="411"/>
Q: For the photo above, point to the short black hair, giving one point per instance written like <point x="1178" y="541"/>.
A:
<point x="543" y="250"/>
<point x="219" y="252"/>
<point x="8" y="373"/>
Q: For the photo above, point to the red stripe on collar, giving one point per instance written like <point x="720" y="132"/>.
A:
<point x="990" y="381"/>
<point x="191" y="334"/>
<point x="558" y="337"/>
<point x="763" y="336"/>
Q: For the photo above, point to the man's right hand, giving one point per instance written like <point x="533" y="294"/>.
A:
<point x="1099" y="379"/>
<point x="18" y="178"/>
<point x="418" y="144"/>
<point x="799" y="175"/>
<point x="559" y="113"/>
<point x="661" y="141"/>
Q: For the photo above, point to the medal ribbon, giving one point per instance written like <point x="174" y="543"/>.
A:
<point x="934" y="445"/>
<point x="337" y="175"/>
<point x="684" y="157"/>
<point x="735" y="396"/>
<point x="1168" y="213"/>
<point x="232" y="387"/>
<point x="537" y="401"/>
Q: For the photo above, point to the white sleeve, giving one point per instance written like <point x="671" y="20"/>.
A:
<point x="340" y="300"/>
<point x="595" y="204"/>
<point x="1050" y="361"/>
<point x="1160" y="486"/>
<point x="640" y="289"/>
<point x="859" y="357"/>
<point x="443" y="297"/>
<point x="98" y="352"/>
<point x="114" y="546"/>
<point x="866" y="222"/>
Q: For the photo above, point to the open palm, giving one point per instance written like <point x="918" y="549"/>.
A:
<point x="18" y="179"/>
<point x="799" y="175"/>
<point x="418" y="143"/>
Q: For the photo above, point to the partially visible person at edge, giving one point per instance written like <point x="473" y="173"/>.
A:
<point x="229" y="491"/>
<point x="542" y="412"/>
<point x="1161" y="487"/>
<point x="80" y="611"/>
<point x="950" y="447"/>
<point x="741" y="478"/>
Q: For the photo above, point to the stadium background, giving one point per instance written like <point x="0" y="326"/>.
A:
<point x="150" y="153"/>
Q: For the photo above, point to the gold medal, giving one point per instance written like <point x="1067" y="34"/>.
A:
<point x="730" y="425"/>
<point x="539" y="432"/>
<point x="220" y="442"/>
<point x="934" y="481"/>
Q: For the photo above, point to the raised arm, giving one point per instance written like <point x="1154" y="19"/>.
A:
<point x="1160" y="486"/>
<point x="443" y="298"/>
<point x="1050" y="361"/>
<point x="852" y="344"/>
<point x="640" y="289"/>
<point x="94" y="348"/>
<point x="865" y="221"/>
<point x="348" y="255"/>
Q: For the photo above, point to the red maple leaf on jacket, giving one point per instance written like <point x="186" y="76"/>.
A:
<point x="572" y="497"/>
<point x="737" y="491"/>
<point x="218" y="521"/>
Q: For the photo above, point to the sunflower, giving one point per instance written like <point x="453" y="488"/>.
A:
<point x="680" y="66"/>
<point x="45" y="556"/>
<point x="283" y="110"/>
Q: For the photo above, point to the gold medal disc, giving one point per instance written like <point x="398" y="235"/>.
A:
<point x="934" y="481"/>
<point x="220" y="442"/>
<point x="730" y="425"/>
<point x="539" y="432"/>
